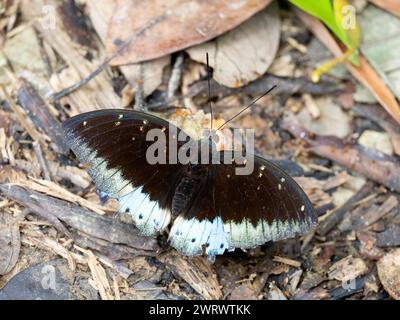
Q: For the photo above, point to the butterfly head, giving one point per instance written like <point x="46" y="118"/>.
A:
<point x="211" y="138"/>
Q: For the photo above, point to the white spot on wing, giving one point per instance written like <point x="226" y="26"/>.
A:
<point x="147" y="215"/>
<point x="245" y="235"/>
<point x="190" y="235"/>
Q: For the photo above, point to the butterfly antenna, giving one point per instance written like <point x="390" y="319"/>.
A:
<point x="250" y="105"/>
<point x="209" y="89"/>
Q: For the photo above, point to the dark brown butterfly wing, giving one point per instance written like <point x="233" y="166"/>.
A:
<point x="113" y="143"/>
<point x="237" y="211"/>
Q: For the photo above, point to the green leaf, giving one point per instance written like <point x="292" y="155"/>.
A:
<point x="323" y="10"/>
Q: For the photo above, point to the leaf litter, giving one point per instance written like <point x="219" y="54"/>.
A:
<point x="344" y="153"/>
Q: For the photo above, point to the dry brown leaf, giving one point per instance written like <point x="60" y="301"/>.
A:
<point x="148" y="73"/>
<point x="24" y="54"/>
<point x="99" y="92"/>
<point x="363" y="73"/>
<point x="184" y="23"/>
<point x="393" y="6"/>
<point x="389" y="273"/>
<point x="245" y="53"/>
<point x="347" y="269"/>
<point x="379" y="141"/>
<point x="329" y="113"/>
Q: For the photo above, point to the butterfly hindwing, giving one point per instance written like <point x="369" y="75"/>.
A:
<point x="243" y="210"/>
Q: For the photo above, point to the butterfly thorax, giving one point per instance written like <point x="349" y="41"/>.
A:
<point x="187" y="187"/>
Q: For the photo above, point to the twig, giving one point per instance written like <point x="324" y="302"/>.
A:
<point x="139" y="93"/>
<point x="35" y="135"/>
<point x="176" y="75"/>
<point x="336" y="216"/>
<point x="42" y="161"/>
<point x="38" y="111"/>
<point x="376" y="166"/>
<point x="287" y="86"/>
<point x="81" y="219"/>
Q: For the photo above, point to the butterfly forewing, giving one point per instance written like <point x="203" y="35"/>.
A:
<point x="113" y="144"/>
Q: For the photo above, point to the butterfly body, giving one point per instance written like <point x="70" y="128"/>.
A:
<point x="211" y="207"/>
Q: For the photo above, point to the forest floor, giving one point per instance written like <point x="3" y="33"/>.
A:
<point x="342" y="150"/>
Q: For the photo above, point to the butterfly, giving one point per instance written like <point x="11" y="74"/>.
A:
<point x="210" y="208"/>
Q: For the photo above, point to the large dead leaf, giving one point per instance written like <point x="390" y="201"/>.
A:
<point x="363" y="73"/>
<point x="329" y="113"/>
<point x="381" y="48"/>
<point x="245" y="53"/>
<point x="23" y="52"/>
<point x="178" y="24"/>
<point x="148" y="73"/>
